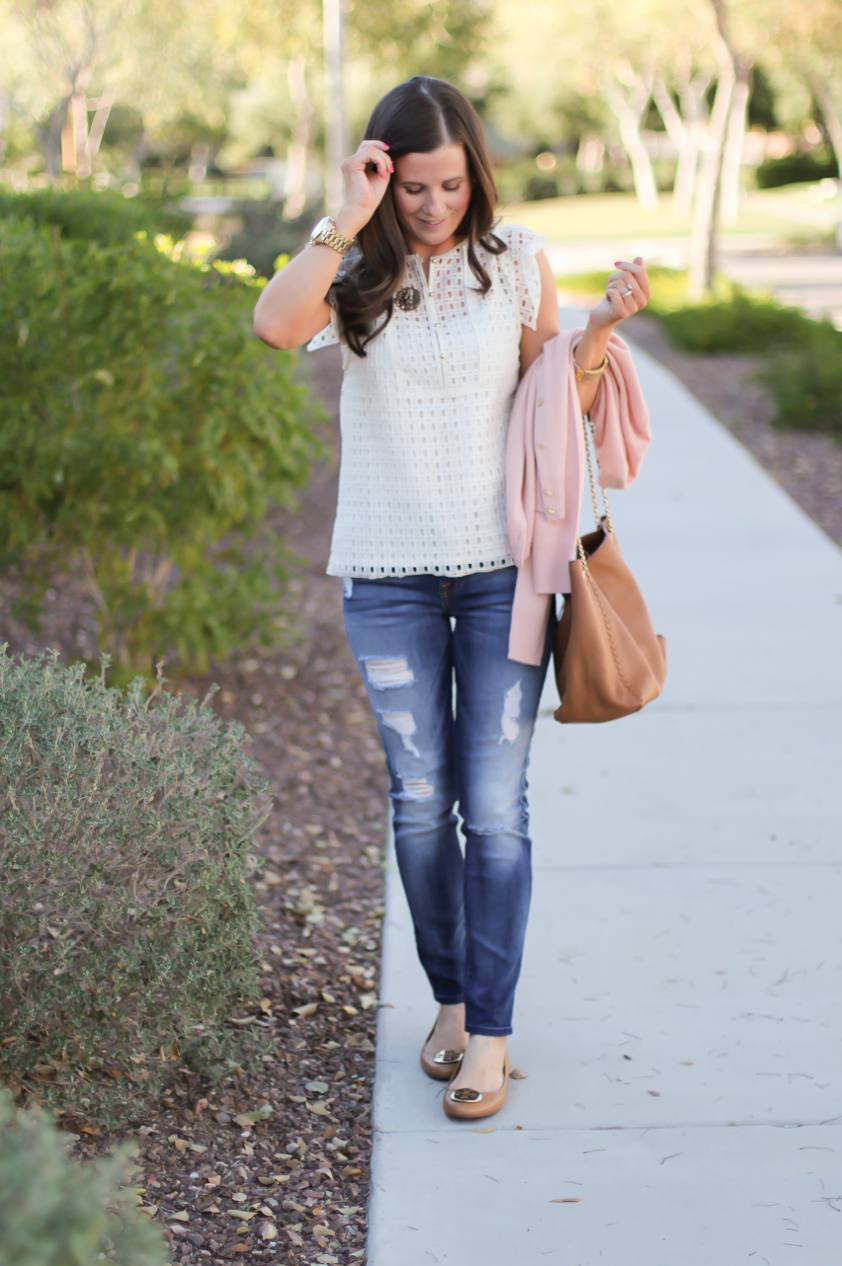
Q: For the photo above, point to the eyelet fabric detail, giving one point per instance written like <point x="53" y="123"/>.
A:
<point x="424" y="419"/>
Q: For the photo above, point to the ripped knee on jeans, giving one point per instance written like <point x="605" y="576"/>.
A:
<point x="417" y="789"/>
<point x="388" y="674"/>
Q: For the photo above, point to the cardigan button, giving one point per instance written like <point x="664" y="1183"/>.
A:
<point x="539" y="402"/>
<point x="540" y="445"/>
<point x="550" y="510"/>
<point x="548" y="492"/>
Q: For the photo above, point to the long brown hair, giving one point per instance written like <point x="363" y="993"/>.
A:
<point x="416" y="117"/>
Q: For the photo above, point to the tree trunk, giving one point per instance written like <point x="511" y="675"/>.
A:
<point x="79" y="119"/>
<point x="630" y="111"/>
<point x="295" y="187"/>
<point x="52" y="138"/>
<point x="131" y="168"/>
<point x="334" y="19"/>
<point x="5" y="121"/>
<point x="703" y="247"/>
<point x="734" y="140"/>
<point x="684" y="132"/>
<point x="68" y="143"/>
<point x="833" y="123"/>
<point x="95" y="135"/>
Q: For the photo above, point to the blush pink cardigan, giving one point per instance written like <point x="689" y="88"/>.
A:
<point x="545" y="471"/>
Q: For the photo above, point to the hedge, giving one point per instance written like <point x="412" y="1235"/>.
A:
<point x="145" y="433"/>
<point x="56" y="1212"/>
<point x="127" y="922"/>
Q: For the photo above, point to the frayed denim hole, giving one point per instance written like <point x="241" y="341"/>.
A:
<point x="387" y="674"/>
<point x="417" y="789"/>
<point x="402" y="723"/>
<point x="509" y="722"/>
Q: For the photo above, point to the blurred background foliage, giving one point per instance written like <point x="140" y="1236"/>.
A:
<point x="213" y="98"/>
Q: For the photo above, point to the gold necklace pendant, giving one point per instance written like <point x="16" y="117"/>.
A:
<point x="407" y="298"/>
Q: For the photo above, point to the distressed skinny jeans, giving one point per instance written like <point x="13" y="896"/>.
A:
<point x="469" y="912"/>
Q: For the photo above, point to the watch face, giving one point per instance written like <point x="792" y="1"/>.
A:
<point x="324" y="223"/>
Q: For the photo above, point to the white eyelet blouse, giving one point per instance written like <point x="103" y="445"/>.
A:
<point x="424" y="419"/>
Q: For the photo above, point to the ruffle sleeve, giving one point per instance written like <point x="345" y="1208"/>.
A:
<point x="521" y="267"/>
<point x="328" y="337"/>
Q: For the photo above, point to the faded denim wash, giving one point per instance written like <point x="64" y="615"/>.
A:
<point x="409" y="636"/>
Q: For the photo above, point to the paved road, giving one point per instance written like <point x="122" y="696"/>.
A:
<point x="679" y="1013"/>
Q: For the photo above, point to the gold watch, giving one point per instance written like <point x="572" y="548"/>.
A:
<point x="326" y="233"/>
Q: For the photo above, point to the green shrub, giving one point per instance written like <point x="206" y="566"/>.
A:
<point x="795" y="169"/>
<point x="265" y="235"/>
<point x="740" y="323"/>
<point x="144" y="432"/>
<point x="801" y="358"/>
<point x="126" y="919"/>
<point x="807" y="383"/>
<point x="539" y="187"/>
<point x="55" y="1212"/>
<point x="82" y="215"/>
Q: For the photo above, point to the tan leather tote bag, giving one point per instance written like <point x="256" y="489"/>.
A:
<point x="608" y="659"/>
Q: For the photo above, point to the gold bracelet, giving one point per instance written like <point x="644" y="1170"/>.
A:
<point x="589" y="375"/>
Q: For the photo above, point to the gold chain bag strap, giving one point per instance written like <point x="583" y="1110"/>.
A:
<point x="608" y="659"/>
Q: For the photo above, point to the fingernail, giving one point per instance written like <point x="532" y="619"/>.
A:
<point x="391" y="167"/>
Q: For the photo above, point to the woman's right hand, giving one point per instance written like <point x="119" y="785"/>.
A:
<point x="292" y="307"/>
<point x="364" y="190"/>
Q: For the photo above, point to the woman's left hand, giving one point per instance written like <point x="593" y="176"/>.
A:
<point x="627" y="292"/>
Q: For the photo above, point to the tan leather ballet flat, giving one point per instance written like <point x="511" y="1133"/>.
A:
<point x="443" y="1065"/>
<point x="465" y="1104"/>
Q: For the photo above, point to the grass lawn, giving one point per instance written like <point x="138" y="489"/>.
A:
<point x="788" y="214"/>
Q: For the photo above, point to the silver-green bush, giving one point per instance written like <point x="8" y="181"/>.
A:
<point x="55" y="1212"/>
<point x="126" y="919"/>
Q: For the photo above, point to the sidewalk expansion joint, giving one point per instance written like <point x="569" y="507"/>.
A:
<point x="452" y="1131"/>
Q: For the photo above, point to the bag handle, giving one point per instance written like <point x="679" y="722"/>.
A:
<point x="610" y="526"/>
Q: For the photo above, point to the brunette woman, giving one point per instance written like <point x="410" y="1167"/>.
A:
<point x="439" y="310"/>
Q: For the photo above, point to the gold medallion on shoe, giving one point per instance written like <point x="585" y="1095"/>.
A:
<point x="443" y="1064"/>
<point x="464" y="1103"/>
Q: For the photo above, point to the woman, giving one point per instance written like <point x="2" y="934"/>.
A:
<point x="439" y="311"/>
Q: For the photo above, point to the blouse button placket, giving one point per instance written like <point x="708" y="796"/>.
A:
<point x="435" y="325"/>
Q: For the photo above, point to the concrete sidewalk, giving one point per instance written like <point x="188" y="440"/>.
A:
<point x="678" y="1017"/>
